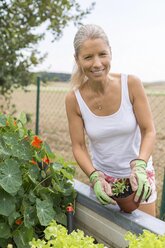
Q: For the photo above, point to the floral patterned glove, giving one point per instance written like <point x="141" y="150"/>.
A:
<point x="101" y="187"/>
<point x="139" y="181"/>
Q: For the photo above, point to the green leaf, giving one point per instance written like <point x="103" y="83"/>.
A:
<point x="32" y="197"/>
<point x="23" y="236"/>
<point x="12" y="217"/>
<point x="5" y="151"/>
<point x="7" y="203"/>
<point x="48" y="151"/>
<point x="4" y="230"/>
<point x="10" y="176"/>
<point x="10" y="138"/>
<point x="45" y="211"/>
<point x="30" y="216"/>
<point x="61" y="218"/>
<point x="56" y="167"/>
<point x="22" y="150"/>
<point x="57" y="187"/>
<point x="17" y="147"/>
<point x="34" y="173"/>
<point x="2" y="120"/>
<point x="23" y="118"/>
<point x="66" y="174"/>
<point x="68" y="189"/>
<point x="37" y="156"/>
<point x="4" y="243"/>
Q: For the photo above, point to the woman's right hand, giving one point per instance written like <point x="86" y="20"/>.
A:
<point x="101" y="187"/>
<point x="139" y="180"/>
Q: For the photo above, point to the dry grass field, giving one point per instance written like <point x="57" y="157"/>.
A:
<point x="54" y="129"/>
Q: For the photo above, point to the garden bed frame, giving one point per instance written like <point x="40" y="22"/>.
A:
<point x="107" y="224"/>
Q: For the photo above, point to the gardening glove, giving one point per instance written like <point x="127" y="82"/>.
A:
<point x="101" y="187"/>
<point x="139" y="181"/>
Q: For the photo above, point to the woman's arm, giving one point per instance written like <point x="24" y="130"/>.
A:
<point x="144" y="117"/>
<point x="76" y="130"/>
<point x="100" y="186"/>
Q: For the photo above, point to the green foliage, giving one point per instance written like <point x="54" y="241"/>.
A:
<point x="20" y="32"/>
<point x="145" y="240"/>
<point x="35" y="185"/>
<point x="119" y="186"/>
<point x="56" y="236"/>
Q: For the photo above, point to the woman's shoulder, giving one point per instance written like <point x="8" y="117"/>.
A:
<point x="133" y="79"/>
<point x="135" y="86"/>
<point x="134" y="83"/>
<point x="115" y="75"/>
<point x="70" y="96"/>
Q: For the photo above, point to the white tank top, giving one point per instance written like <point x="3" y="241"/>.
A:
<point x="114" y="140"/>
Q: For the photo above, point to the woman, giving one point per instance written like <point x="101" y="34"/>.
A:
<point x="114" y="112"/>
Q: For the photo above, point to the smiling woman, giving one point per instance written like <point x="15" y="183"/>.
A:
<point x="107" y="106"/>
<point x="94" y="59"/>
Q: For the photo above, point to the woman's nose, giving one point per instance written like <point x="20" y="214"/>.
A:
<point x="96" y="61"/>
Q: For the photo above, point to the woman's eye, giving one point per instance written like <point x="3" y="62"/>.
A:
<point x="103" y="54"/>
<point x="88" y="57"/>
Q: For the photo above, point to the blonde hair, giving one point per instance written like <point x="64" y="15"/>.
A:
<point x="89" y="31"/>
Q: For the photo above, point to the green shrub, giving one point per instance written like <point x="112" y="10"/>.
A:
<point x="35" y="185"/>
<point x="56" y="237"/>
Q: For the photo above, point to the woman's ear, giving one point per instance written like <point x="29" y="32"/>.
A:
<point x="76" y="59"/>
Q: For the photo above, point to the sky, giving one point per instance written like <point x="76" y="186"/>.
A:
<point x="136" y="31"/>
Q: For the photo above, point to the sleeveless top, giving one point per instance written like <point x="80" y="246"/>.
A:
<point x="114" y="140"/>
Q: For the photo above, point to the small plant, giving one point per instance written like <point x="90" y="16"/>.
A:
<point x="56" y="237"/>
<point x="145" y="240"/>
<point x="123" y="195"/>
<point x="120" y="187"/>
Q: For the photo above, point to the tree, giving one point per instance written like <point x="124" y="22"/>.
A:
<point x="18" y="21"/>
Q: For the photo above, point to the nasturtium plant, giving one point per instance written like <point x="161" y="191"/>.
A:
<point x="56" y="237"/>
<point x="35" y="185"/>
<point x="145" y="240"/>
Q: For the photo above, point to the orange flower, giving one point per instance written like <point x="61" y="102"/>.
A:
<point x="36" y="142"/>
<point x="46" y="159"/>
<point x="15" y="123"/>
<point x="18" y="221"/>
<point x="33" y="161"/>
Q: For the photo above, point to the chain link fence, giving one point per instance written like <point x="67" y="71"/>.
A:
<point x="53" y="126"/>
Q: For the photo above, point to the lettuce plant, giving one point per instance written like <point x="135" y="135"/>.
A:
<point x="145" y="240"/>
<point x="56" y="236"/>
<point x="35" y="185"/>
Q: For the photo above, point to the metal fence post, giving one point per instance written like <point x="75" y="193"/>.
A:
<point x="37" y="106"/>
<point x="162" y="207"/>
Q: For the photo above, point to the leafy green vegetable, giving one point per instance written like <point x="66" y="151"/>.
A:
<point x="145" y="240"/>
<point x="56" y="237"/>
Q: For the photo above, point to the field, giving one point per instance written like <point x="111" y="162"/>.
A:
<point x="54" y="128"/>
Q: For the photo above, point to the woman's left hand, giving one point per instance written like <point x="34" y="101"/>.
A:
<point x="139" y="181"/>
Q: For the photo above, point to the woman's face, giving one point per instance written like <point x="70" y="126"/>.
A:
<point x="94" y="58"/>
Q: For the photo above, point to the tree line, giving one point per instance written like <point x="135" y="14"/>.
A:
<point x="53" y="76"/>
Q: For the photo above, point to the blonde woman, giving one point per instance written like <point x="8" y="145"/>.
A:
<point x="113" y="110"/>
